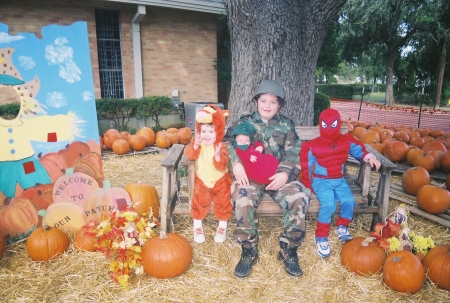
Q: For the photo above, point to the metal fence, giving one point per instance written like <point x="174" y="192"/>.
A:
<point x="397" y="115"/>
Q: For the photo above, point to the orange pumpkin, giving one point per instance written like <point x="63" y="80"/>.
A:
<point x="437" y="265"/>
<point x="363" y="256"/>
<point x="357" y="131"/>
<point x="163" y="141"/>
<point x="401" y="136"/>
<point x="369" y="136"/>
<point x="54" y="163"/>
<point x="85" y="238"/>
<point x="414" y="178"/>
<point x="110" y="136"/>
<point x="73" y="187"/>
<point x="144" y="198"/>
<point x="91" y="164"/>
<point x="403" y="272"/>
<point x="438" y="155"/>
<point x="395" y="151"/>
<point x="436" y="133"/>
<point x="46" y="243"/>
<point x="445" y="163"/>
<point x="18" y="218"/>
<point x="137" y="142"/>
<point x="433" y="199"/>
<point x="121" y="146"/>
<point x="73" y="152"/>
<point x="426" y="161"/>
<point x="166" y="256"/>
<point x="419" y="142"/>
<point x="434" y="145"/>
<point x="148" y="134"/>
<point x="172" y="130"/>
<point x="412" y="154"/>
<point x="184" y="135"/>
<point x="125" y="135"/>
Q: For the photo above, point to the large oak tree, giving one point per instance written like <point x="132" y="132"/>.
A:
<point x="278" y="40"/>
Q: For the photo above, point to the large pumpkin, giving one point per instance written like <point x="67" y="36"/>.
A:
<point x="110" y="136"/>
<point x="426" y="161"/>
<point x="73" y="187"/>
<point x="184" y="135"/>
<point x="412" y="155"/>
<point x="369" y="136"/>
<point x="100" y="203"/>
<point x="148" y="134"/>
<point x="403" y="272"/>
<point x="46" y="243"/>
<point x="414" y="178"/>
<point x="137" y="142"/>
<point x="18" y="218"/>
<point x="363" y="256"/>
<point x="433" y="199"/>
<point x="85" y="238"/>
<point x="166" y="256"/>
<point x="121" y="146"/>
<point x="395" y="151"/>
<point x="163" y="141"/>
<point x="144" y="198"/>
<point x="437" y="265"/>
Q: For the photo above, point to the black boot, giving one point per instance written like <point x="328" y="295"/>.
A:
<point x="249" y="256"/>
<point x="288" y="254"/>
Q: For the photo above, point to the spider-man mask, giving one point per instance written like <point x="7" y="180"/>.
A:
<point x="330" y="123"/>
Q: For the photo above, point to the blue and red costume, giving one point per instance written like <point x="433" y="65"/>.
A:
<point x="325" y="157"/>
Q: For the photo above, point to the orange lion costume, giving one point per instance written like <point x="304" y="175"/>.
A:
<point x="212" y="178"/>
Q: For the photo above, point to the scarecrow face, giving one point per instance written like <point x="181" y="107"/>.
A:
<point x="330" y="123"/>
<point x="9" y="95"/>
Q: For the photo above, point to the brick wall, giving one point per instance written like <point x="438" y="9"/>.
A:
<point x="178" y="47"/>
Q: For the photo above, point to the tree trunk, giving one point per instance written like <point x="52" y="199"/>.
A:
<point x="278" y="40"/>
<point x="442" y="59"/>
<point x="390" y="77"/>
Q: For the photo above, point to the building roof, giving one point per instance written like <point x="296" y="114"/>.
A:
<point x="208" y="6"/>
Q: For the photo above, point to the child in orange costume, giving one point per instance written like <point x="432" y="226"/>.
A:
<point x="212" y="178"/>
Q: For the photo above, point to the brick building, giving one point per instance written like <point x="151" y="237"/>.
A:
<point x="138" y="47"/>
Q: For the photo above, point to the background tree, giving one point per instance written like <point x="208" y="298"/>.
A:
<point x="330" y="55"/>
<point x="278" y="40"/>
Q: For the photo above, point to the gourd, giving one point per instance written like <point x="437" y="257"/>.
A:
<point x="414" y="178"/>
<point x="433" y="199"/>
<point x="85" y="239"/>
<point x="46" y="243"/>
<point x="403" y="272"/>
<point x="437" y="266"/>
<point x="363" y="256"/>
<point x="166" y="256"/>
<point x="144" y="198"/>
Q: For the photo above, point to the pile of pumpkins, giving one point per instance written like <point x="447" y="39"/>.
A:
<point x="123" y="142"/>
<point x="425" y="150"/>
<point x="402" y="270"/>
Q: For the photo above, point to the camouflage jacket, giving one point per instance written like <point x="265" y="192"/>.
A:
<point x="279" y="139"/>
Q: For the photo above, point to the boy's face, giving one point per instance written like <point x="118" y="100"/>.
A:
<point x="208" y="134"/>
<point x="267" y="106"/>
<point x="242" y="139"/>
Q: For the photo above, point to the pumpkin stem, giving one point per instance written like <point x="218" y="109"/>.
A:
<point x="367" y="241"/>
<point x="42" y="212"/>
<point x="46" y="227"/>
<point x="106" y="184"/>
<point x="162" y="235"/>
<point x="69" y="171"/>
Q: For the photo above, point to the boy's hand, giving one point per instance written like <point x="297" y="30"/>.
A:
<point x="198" y="141"/>
<point x="240" y="175"/>
<point x="278" y="180"/>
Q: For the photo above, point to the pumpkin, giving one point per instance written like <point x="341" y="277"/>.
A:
<point x="426" y="161"/>
<point x="433" y="199"/>
<point x="438" y="155"/>
<point x="445" y="163"/>
<point x="363" y="256"/>
<point x="369" y="136"/>
<point x="357" y="131"/>
<point x="148" y="134"/>
<point x="403" y="272"/>
<point x="419" y="142"/>
<point x="144" y="198"/>
<point x="18" y="218"/>
<point x="46" y="243"/>
<point x="66" y="216"/>
<point x="73" y="152"/>
<point x="85" y="238"/>
<point x="412" y="135"/>
<point x="2" y="245"/>
<point x="166" y="256"/>
<point x="40" y="195"/>
<point x="414" y="178"/>
<point x="121" y="146"/>
<point x="125" y="135"/>
<point x="395" y="150"/>
<point x="436" y="133"/>
<point x="424" y="132"/>
<point x="101" y="202"/>
<point x="137" y="142"/>
<point x="54" y="164"/>
<point x="91" y="164"/>
<point x="184" y="135"/>
<point x="434" y="145"/>
<point x="73" y="187"/>
<point x="163" y="141"/>
<point x="172" y="136"/>
<point x="401" y="136"/>
<point x="437" y="266"/>
<point x="172" y="130"/>
<point x="377" y="146"/>
<point x="412" y="154"/>
<point x="110" y="136"/>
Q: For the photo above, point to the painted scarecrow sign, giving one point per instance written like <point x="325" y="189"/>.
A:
<point x="48" y="121"/>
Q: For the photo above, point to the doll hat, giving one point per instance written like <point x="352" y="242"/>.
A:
<point x="244" y="128"/>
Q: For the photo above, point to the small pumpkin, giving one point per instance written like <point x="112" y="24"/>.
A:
<point x="402" y="136"/>
<point x="148" y="134"/>
<point x="121" y="146"/>
<point x="403" y="272"/>
<point x="85" y="238"/>
<point x="144" y="197"/>
<point x="437" y="265"/>
<point x="125" y="135"/>
<point x="414" y="178"/>
<point x="363" y="256"/>
<point x="46" y="243"/>
<point x="434" y="145"/>
<point x="433" y="199"/>
<point x="166" y="256"/>
<point x="419" y="142"/>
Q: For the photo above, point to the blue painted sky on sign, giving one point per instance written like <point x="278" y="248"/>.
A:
<point x="61" y="60"/>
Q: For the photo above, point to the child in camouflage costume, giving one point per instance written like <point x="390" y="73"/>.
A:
<point x="277" y="133"/>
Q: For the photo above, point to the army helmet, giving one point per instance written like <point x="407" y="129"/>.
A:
<point x="270" y="87"/>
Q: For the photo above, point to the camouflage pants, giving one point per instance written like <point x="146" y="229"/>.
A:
<point x="293" y="197"/>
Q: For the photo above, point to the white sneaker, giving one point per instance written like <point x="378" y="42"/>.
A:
<point x="221" y="234"/>
<point x="344" y="235"/>
<point x="199" y="236"/>
<point x="322" y="247"/>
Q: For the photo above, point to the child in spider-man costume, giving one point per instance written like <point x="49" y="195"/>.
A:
<point x="325" y="157"/>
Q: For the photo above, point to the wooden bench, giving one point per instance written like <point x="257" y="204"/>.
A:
<point x="369" y="200"/>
